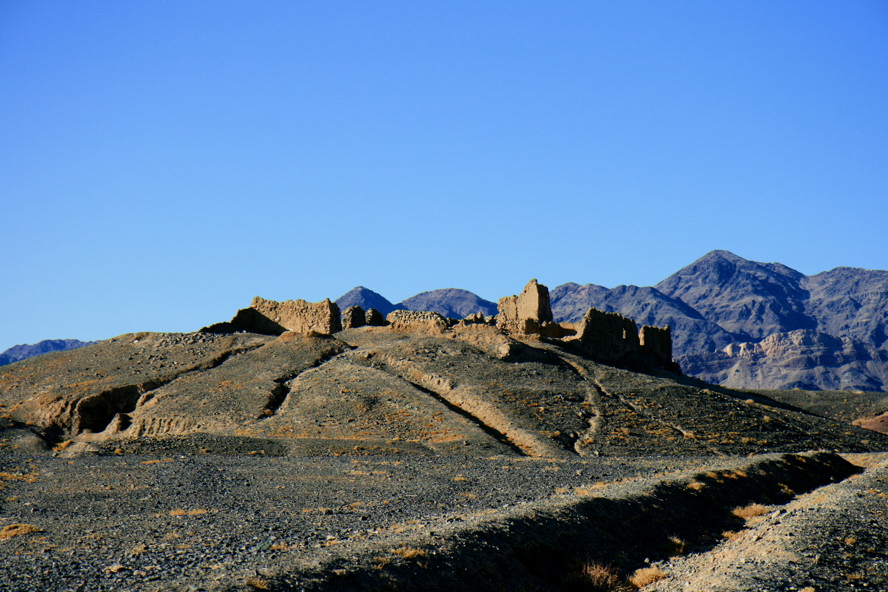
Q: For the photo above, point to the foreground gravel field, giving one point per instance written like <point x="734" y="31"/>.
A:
<point x="152" y="522"/>
<point x="149" y="522"/>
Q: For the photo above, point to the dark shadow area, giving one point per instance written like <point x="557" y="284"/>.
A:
<point x="94" y="413"/>
<point x="547" y="550"/>
<point x="248" y="320"/>
<point x="196" y="444"/>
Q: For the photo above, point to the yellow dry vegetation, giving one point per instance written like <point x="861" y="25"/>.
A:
<point x="409" y="552"/>
<point x="183" y="512"/>
<point x="14" y="530"/>
<point x="647" y="575"/>
<point x="27" y="477"/>
<point x="750" y="511"/>
<point x="257" y="583"/>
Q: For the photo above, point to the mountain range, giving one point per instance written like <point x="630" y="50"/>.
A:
<point x="25" y="351"/>
<point x="734" y="322"/>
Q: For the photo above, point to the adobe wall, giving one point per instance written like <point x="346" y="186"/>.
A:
<point x="528" y="313"/>
<point x="355" y="316"/>
<point x="272" y="317"/>
<point x="412" y="321"/>
<point x="608" y="336"/>
<point x="657" y="342"/>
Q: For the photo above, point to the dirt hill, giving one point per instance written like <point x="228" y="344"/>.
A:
<point x="428" y="389"/>
<point x="278" y="452"/>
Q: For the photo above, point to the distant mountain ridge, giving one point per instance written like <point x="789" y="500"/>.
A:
<point x="826" y="331"/>
<point x="734" y="322"/>
<point x="366" y="299"/>
<point x="450" y="302"/>
<point x="25" y="351"/>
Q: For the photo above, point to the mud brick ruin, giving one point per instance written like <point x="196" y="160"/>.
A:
<point x="605" y="337"/>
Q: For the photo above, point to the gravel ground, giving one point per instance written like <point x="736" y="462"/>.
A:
<point x="155" y="522"/>
<point x="834" y="538"/>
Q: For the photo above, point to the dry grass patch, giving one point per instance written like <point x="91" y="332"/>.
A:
<point x="409" y="552"/>
<point x="14" y="530"/>
<point x="323" y="511"/>
<point x="750" y="511"/>
<point x="676" y="546"/>
<point x="596" y="577"/>
<point x="26" y="477"/>
<point x="647" y="575"/>
<point x="257" y="583"/>
<point x="789" y="492"/>
<point x="696" y="485"/>
<point x="590" y="488"/>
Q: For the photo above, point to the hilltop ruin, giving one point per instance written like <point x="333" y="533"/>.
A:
<point x="605" y="337"/>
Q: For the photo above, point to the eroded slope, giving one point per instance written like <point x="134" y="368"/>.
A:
<point x="471" y="389"/>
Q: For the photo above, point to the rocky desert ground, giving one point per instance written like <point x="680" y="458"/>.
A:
<point x="284" y="452"/>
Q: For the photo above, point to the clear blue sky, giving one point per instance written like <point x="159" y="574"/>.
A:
<point x="162" y="162"/>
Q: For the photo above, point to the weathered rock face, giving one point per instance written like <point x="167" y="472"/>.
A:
<point x="476" y="318"/>
<point x="80" y="392"/>
<point x="802" y="359"/>
<point x="355" y="316"/>
<point x="273" y="318"/>
<point x="414" y="321"/>
<point x="528" y="313"/>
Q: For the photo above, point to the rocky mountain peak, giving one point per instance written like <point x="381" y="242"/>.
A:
<point x="366" y="299"/>
<point x="748" y="299"/>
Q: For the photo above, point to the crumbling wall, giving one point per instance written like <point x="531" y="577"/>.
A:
<point x="656" y="343"/>
<point x="271" y="317"/>
<point x="374" y="318"/>
<point x="412" y="321"/>
<point x="608" y="336"/>
<point x="353" y="316"/>
<point x="528" y="313"/>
